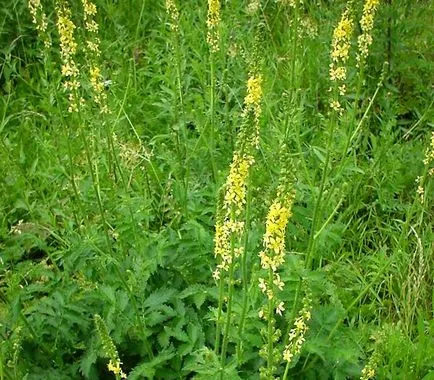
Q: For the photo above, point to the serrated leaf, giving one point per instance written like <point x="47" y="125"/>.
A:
<point x="158" y="298"/>
<point x="147" y="370"/>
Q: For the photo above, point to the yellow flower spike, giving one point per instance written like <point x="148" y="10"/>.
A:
<point x="68" y="50"/>
<point x="92" y="54"/>
<point x="213" y="24"/>
<point x="109" y="348"/>
<point x="252" y="105"/>
<point x="272" y="257"/>
<point x="298" y="332"/>
<point x="173" y="13"/>
<point x="340" y="52"/>
<point x="39" y="19"/>
<point x="364" y="41"/>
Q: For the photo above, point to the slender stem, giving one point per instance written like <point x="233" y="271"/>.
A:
<point x="211" y="143"/>
<point x="311" y="243"/>
<point x="270" y="340"/>
<point x="244" y="271"/>
<point x="219" y="315"/>
<point x="229" y="307"/>
<point x="285" y="374"/>
<point x="294" y="47"/>
<point x="73" y="184"/>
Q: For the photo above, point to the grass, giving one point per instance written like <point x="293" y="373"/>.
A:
<point x="114" y="215"/>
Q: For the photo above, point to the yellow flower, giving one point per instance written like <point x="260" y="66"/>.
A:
<point x="367" y="373"/>
<point x="89" y="9"/>
<point x="280" y="308"/>
<point x="116" y="369"/>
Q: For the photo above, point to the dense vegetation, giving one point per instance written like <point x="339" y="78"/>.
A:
<point x="229" y="190"/>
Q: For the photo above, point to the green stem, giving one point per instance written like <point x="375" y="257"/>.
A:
<point x="228" y="309"/>
<point x="211" y="143"/>
<point x="294" y="47"/>
<point x="244" y="271"/>
<point x="219" y="315"/>
<point x="270" y="356"/>
<point x="285" y="374"/>
<point x="311" y="243"/>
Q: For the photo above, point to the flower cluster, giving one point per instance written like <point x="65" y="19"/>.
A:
<point x="92" y="53"/>
<point x="252" y="107"/>
<point x="279" y="213"/>
<point x="367" y="373"/>
<point x="234" y="201"/>
<point x="236" y="182"/>
<point x="272" y="257"/>
<point x="109" y="348"/>
<point x="253" y="6"/>
<point x="298" y="332"/>
<point x="341" y="44"/>
<point x="213" y="24"/>
<point x="68" y="50"/>
<point x="173" y="13"/>
<point x="230" y="223"/>
<point x="364" y="41"/>
<point x="39" y="18"/>
<point x="273" y="254"/>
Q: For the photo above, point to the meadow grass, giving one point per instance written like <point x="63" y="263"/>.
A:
<point x="221" y="189"/>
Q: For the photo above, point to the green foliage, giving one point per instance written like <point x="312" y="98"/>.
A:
<point x="113" y="215"/>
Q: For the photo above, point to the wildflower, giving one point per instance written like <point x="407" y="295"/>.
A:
<point x="39" y="19"/>
<point x="236" y="183"/>
<point x="173" y="13"/>
<point x="116" y="369"/>
<point x="364" y="41"/>
<point x="92" y="54"/>
<point x="367" y="373"/>
<point x="68" y="50"/>
<point x="272" y="257"/>
<point x="274" y="238"/>
<point x="298" y="332"/>
<point x="109" y="348"/>
<point x="336" y="106"/>
<point x="341" y="44"/>
<point x="253" y="6"/>
<point x="230" y="224"/>
<point x="233" y="206"/>
<point x="252" y="107"/>
<point x="213" y="24"/>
